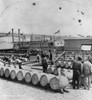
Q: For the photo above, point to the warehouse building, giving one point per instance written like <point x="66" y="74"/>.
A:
<point x="78" y="45"/>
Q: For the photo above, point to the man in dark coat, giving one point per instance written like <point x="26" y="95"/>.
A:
<point x="50" y="56"/>
<point x="44" y="63"/>
<point x="77" y="70"/>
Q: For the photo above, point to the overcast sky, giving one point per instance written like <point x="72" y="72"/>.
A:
<point x="71" y="17"/>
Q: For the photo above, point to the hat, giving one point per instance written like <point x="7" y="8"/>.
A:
<point x="79" y="58"/>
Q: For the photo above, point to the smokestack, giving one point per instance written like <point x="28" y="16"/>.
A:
<point x="19" y="35"/>
<point x="12" y="35"/>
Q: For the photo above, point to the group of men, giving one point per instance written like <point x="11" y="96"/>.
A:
<point x="82" y="72"/>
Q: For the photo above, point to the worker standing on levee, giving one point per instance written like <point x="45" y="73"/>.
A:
<point x="87" y="69"/>
<point x="19" y="63"/>
<point x="38" y="57"/>
<point x="77" y="71"/>
<point x="50" y="57"/>
<point x="44" y="63"/>
<point x="12" y="59"/>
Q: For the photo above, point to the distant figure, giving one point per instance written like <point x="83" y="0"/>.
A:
<point x="28" y="56"/>
<point x="87" y="66"/>
<point x="77" y="70"/>
<point x="38" y="57"/>
<point x="50" y="56"/>
<point x="6" y="60"/>
<point x="19" y="63"/>
<point x="44" y="64"/>
<point x="42" y="54"/>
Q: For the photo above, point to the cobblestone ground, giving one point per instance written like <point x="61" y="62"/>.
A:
<point x="16" y="91"/>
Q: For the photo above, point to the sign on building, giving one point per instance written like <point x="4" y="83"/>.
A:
<point x="59" y="43"/>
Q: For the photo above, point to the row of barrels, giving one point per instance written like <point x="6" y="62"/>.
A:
<point x="66" y="72"/>
<point x="35" y="77"/>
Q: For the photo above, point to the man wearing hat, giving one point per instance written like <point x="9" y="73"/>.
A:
<point x="77" y="70"/>
<point x="44" y="63"/>
<point x="87" y="69"/>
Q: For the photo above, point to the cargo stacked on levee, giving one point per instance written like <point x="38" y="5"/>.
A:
<point x="11" y="69"/>
<point x="64" y="64"/>
<point x="14" y="67"/>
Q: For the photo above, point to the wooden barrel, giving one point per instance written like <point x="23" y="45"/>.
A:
<point x="7" y="73"/>
<point x="20" y="75"/>
<point x="57" y="63"/>
<point x="13" y="74"/>
<point x="43" y="80"/>
<point x="68" y="73"/>
<point x="1" y="72"/>
<point x="49" y="70"/>
<point x="36" y="78"/>
<point x="54" y="83"/>
<point x="55" y="71"/>
<point x="63" y="81"/>
<point x="66" y="64"/>
<point x="28" y="77"/>
<point x="62" y="63"/>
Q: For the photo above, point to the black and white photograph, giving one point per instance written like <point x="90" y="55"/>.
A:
<point x="45" y="49"/>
